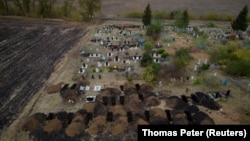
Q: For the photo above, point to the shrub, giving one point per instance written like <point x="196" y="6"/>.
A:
<point x="154" y="28"/>
<point x="182" y="58"/>
<point x="197" y="82"/>
<point x="160" y="15"/>
<point x="213" y="16"/>
<point x="134" y="14"/>
<point x="160" y="51"/>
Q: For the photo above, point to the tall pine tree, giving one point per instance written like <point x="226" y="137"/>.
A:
<point x="241" y="23"/>
<point x="147" y="15"/>
<point x="182" y="19"/>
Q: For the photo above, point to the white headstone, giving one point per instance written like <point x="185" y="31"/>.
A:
<point x="129" y="69"/>
<point x="96" y="69"/>
<point x="192" y="78"/>
<point x="215" y="74"/>
<point x="199" y="62"/>
<point x="195" y="67"/>
<point x="205" y="62"/>
<point x="160" y="83"/>
<point x="99" y="64"/>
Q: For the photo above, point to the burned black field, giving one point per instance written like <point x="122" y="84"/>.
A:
<point x="29" y="51"/>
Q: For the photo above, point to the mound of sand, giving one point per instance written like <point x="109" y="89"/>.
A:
<point x="79" y="118"/>
<point x="179" y="117"/>
<point x="89" y="107"/>
<point x="175" y="102"/>
<point x="120" y="126"/>
<point x="146" y="87"/>
<point x="157" y="112"/>
<point x="141" y="122"/>
<point x="152" y="101"/>
<point x="99" y="125"/>
<point x="74" y="129"/>
<point x="33" y="122"/>
<point x="54" y="88"/>
<point x="135" y="107"/>
<point x="134" y="97"/>
<point x="53" y="126"/>
<point x="118" y="110"/>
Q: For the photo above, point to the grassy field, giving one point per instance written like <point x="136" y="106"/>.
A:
<point x="113" y="8"/>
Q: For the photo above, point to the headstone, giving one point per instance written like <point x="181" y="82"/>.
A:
<point x="160" y="83"/>
<point x="192" y="78"/>
<point x="96" y="69"/>
<point x="195" y="67"/>
<point x="215" y="74"/>
<point x="199" y="62"/>
<point x="205" y="62"/>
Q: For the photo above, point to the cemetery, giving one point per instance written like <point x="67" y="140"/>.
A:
<point x="98" y="82"/>
<point x="108" y="95"/>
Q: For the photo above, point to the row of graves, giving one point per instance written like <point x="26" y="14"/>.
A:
<point x="116" y="48"/>
<point x="117" y="111"/>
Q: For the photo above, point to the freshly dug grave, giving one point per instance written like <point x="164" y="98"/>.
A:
<point x="54" y="88"/>
<point x="98" y="126"/>
<point x="53" y="126"/>
<point x="152" y="101"/>
<point x="75" y="129"/>
<point x="120" y="126"/>
<point x="33" y="122"/>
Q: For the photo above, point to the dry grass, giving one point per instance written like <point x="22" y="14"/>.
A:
<point x="111" y="8"/>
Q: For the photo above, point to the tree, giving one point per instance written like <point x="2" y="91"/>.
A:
<point x="147" y="15"/>
<point x="182" y="19"/>
<point x="89" y="7"/>
<point x="66" y="8"/>
<point x="4" y="7"/>
<point x="18" y="5"/>
<point x="241" y="23"/>
<point x="185" y="18"/>
<point x="26" y="5"/>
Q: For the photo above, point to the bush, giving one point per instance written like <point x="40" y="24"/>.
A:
<point x="205" y="66"/>
<point x="213" y="16"/>
<point x="235" y="59"/>
<point x="164" y="55"/>
<point x="160" y="15"/>
<point x="154" y="28"/>
<point x="239" y="68"/>
<point x="182" y="58"/>
<point x="160" y="51"/>
<point x="210" y="24"/>
<point x="134" y="14"/>
<point x="228" y="17"/>
<point x="197" y="82"/>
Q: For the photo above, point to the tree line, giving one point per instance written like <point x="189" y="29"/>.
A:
<point x="240" y="23"/>
<point x="69" y="9"/>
